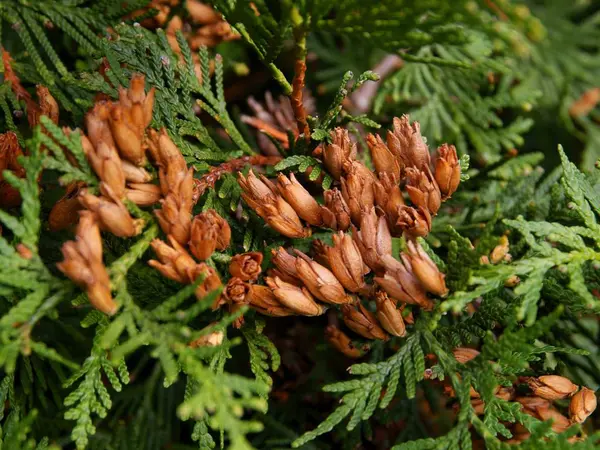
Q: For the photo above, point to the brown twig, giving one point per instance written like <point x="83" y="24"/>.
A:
<point x="501" y="14"/>
<point x="215" y="173"/>
<point x="296" y="98"/>
<point x="267" y="128"/>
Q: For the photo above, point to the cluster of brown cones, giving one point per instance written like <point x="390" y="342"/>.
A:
<point x="545" y="390"/>
<point x="372" y="205"/>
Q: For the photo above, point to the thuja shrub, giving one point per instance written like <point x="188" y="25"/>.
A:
<point x="299" y="224"/>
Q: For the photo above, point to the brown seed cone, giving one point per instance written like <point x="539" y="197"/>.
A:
<point x="65" y="211"/>
<point x="135" y="174"/>
<point x="83" y="264"/>
<point x="143" y="194"/>
<point x="48" y="105"/>
<point x="236" y="291"/>
<point x="414" y="222"/>
<point x="340" y="151"/>
<point x="530" y="404"/>
<point x="402" y="284"/>
<point x="373" y="239"/>
<point x="464" y="354"/>
<point x="174" y="219"/>
<point x="424" y="269"/>
<point x="552" y="387"/>
<point x="447" y="170"/>
<point x="383" y="158"/>
<point x="388" y="197"/>
<point x="406" y="143"/>
<point x="357" y="190"/>
<point x="264" y="301"/>
<point x="346" y="263"/>
<point x="389" y="316"/>
<point x="286" y="265"/>
<point x="209" y="231"/>
<point x="336" y="212"/>
<point x="341" y="342"/>
<point x="582" y="405"/>
<point x="211" y="283"/>
<point x="127" y="137"/>
<point x="360" y="320"/>
<point x="294" y="298"/>
<point x="560" y="423"/>
<point x="174" y="262"/>
<point x="96" y="124"/>
<point x="320" y="281"/>
<point x="112" y="213"/>
<point x="246" y="266"/>
<point x="105" y="161"/>
<point x="296" y="195"/>
<point x="212" y="339"/>
<point x="423" y="189"/>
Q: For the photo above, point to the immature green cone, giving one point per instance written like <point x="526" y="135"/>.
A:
<point x="382" y="157"/>
<point x="407" y="144"/>
<point x="341" y="150"/>
<point x="294" y="298"/>
<point x="423" y="189"/>
<point x="346" y="263"/>
<point x="389" y="316"/>
<point x="336" y="212"/>
<point x="360" y="320"/>
<point x="582" y="405"/>
<point x="296" y="195"/>
<point x="552" y="387"/>
<point x="246" y="266"/>
<point x="373" y="240"/>
<point x="424" y="269"/>
<point x="320" y="281"/>
<point x="447" y="170"/>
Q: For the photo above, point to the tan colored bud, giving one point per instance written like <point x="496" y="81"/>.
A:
<point x="582" y="405"/>
<point x="296" y="299"/>
<point x="64" y="212"/>
<point x="48" y="105"/>
<point x="362" y="321"/>
<point x="478" y="406"/>
<point x="341" y="342"/>
<point x="407" y="144"/>
<point x="414" y="222"/>
<point x="112" y="213"/>
<point x="174" y="220"/>
<point x="560" y="423"/>
<point x="261" y="196"/>
<point x="552" y="387"/>
<point x="346" y="262"/>
<point x="425" y="269"/>
<point x="83" y="264"/>
<point x="388" y="197"/>
<point x="212" y="339"/>
<point x="447" y="170"/>
<point x="204" y="236"/>
<point x="246" y="266"/>
<point x="174" y="262"/>
<point x="389" y="316"/>
<point x="296" y="195"/>
<point x="373" y="239"/>
<point x="464" y="354"/>
<point x="264" y="301"/>
<point x="320" y="281"/>
<point x="143" y="194"/>
<point x="210" y="283"/>
<point x="286" y="265"/>
<point x="505" y="393"/>
<point x="96" y="122"/>
<point x="423" y="189"/>
<point x="499" y="251"/>
<point x="336" y="212"/>
<point x="357" y="191"/>
<point x="105" y="161"/>
<point x="128" y="139"/>
<point x="383" y="159"/>
<point x="137" y="105"/>
<point x="134" y="173"/>
<point x="402" y="284"/>
<point x="341" y="150"/>
<point x="236" y="291"/>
